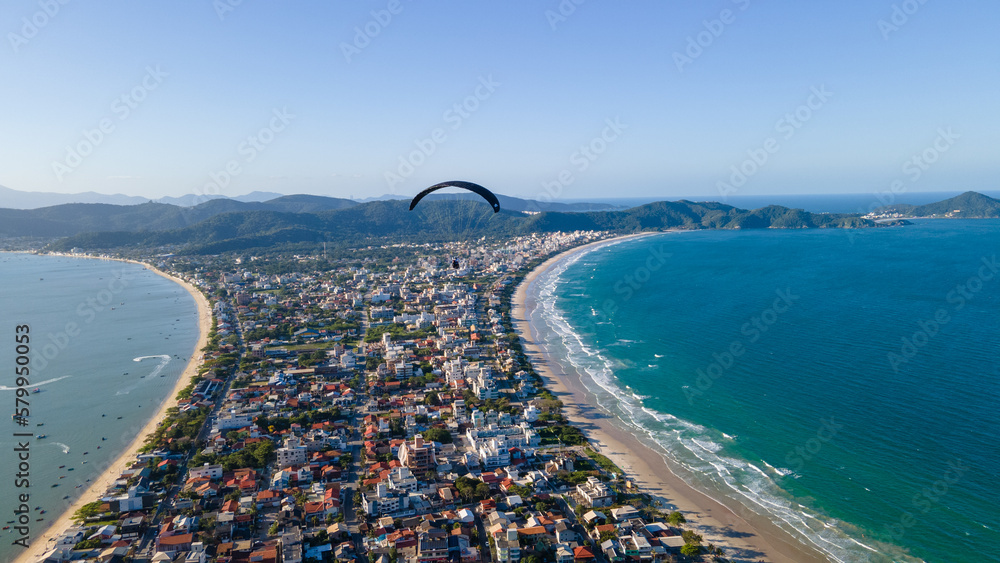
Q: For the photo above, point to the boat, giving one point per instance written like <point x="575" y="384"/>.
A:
<point x="40" y="436"/>
<point x="6" y="527"/>
<point x="65" y="497"/>
<point x="36" y="390"/>
<point x="71" y="469"/>
<point x="61" y="466"/>
<point x="85" y="461"/>
<point x="55" y="484"/>
<point x="40" y="424"/>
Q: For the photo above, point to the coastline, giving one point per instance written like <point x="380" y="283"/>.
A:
<point x="40" y="545"/>
<point x="648" y="469"/>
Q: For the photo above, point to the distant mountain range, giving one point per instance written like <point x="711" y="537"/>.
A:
<point x="303" y="221"/>
<point x="14" y="199"/>
<point x="970" y="205"/>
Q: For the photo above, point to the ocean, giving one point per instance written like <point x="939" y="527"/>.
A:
<point x="841" y="383"/>
<point x="108" y="341"/>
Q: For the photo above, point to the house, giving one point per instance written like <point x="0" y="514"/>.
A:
<point x="636" y="545"/>
<point x="613" y="551"/>
<point x="672" y="544"/>
<point x="564" y="553"/>
<point x="175" y="543"/>
<point x="624" y="513"/>
<point x="582" y="554"/>
<point x="206" y="470"/>
<point x="268" y="498"/>
<point x="565" y="534"/>
<point x="592" y="517"/>
<point x="595" y="493"/>
<point x="132" y="527"/>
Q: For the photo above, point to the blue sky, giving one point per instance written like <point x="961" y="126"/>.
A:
<point x="534" y="99"/>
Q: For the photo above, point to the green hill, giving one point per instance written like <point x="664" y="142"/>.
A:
<point x="77" y="218"/>
<point x="970" y="205"/>
<point x="435" y="221"/>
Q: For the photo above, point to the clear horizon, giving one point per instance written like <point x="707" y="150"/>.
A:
<point x="566" y="100"/>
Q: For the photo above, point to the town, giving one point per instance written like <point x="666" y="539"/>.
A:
<point x="380" y="409"/>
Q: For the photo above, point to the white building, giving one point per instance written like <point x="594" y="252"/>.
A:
<point x="210" y="471"/>
<point x="293" y="453"/>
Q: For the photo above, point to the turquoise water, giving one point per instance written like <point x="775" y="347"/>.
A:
<point x="843" y="384"/>
<point x="113" y="363"/>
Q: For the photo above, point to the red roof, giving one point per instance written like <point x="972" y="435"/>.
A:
<point x="179" y="539"/>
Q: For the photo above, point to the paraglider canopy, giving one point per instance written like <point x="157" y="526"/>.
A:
<point x="486" y="194"/>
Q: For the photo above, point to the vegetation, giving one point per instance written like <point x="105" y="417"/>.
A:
<point x="398" y="332"/>
<point x="970" y="205"/>
<point x="472" y="490"/>
<point x="256" y="455"/>
<point x="206" y="229"/>
<point x="89" y="510"/>
<point x="603" y="461"/>
<point x="437" y="434"/>
<point x="178" y="428"/>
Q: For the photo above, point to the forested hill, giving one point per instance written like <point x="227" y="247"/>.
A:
<point x="77" y="218"/>
<point x="970" y="205"/>
<point x="431" y="221"/>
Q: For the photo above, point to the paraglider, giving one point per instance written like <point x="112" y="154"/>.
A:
<point x="486" y="194"/>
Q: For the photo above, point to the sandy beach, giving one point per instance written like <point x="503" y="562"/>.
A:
<point x="746" y="538"/>
<point x="41" y="543"/>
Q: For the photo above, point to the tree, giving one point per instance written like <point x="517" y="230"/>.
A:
<point x="437" y="435"/>
<point x="690" y="537"/>
<point x="88" y="510"/>
<point x="607" y="535"/>
<point x="676" y="518"/>
<point x="89" y="544"/>
<point x="691" y="550"/>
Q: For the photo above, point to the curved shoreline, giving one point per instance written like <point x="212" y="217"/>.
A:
<point x="717" y="523"/>
<point x="41" y="542"/>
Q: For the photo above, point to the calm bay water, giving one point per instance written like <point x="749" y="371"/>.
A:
<point x="843" y="384"/>
<point x="100" y="372"/>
